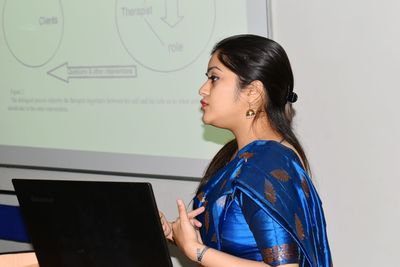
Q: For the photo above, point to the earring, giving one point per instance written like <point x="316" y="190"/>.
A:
<point x="250" y="113"/>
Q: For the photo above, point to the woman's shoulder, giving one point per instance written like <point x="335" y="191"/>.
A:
<point x="270" y="164"/>
<point x="267" y="155"/>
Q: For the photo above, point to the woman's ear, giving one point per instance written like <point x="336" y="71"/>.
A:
<point x="255" y="92"/>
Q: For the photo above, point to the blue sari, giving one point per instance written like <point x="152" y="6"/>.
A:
<point x="263" y="206"/>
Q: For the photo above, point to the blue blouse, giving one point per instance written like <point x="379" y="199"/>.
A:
<point x="262" y="206"/>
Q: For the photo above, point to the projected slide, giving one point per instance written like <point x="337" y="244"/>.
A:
<point x="166" y="41"/>
<point x="110" y="76"/>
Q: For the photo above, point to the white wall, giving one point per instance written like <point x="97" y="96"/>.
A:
<point x="346" y="61"/>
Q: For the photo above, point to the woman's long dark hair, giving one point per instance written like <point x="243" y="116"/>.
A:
<point x="252" y="58"/>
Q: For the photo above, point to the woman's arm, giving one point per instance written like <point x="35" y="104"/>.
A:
<point x="189" y="241"/>
<point x="216" y="258"/>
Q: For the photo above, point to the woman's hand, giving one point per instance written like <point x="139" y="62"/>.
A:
<point x="185" y="231"/>
<point x="167" y="226"/>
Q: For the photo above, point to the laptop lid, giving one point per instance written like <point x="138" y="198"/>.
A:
<point x="87" y="223"/>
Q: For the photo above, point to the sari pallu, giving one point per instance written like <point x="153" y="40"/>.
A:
<point x="272" y="177"/>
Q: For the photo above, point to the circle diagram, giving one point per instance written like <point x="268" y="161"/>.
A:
<point x="167" y="35"/>
<point x="33" y="30"/>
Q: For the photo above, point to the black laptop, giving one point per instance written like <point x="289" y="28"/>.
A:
<point x="99" y="224"/>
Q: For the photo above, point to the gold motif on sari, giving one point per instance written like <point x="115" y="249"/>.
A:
<point x="238" y="173"/>
<point x="246" y="156"/>
<point x="200" y="197"/>
<point x="214" y="238"/>
<point x="269" y="192"/>
<point x="280" y="175"/>
<point x="207" y="220"/>
<point x="299" y="227"/>
<point x="280" y="253"/>
<point x="305" y="187"/>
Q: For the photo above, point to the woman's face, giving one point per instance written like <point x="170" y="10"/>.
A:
<point x="223" y="105"/>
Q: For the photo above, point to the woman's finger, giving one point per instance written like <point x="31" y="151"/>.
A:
<point x="195" y="223"/>
<point x="196" y="212"/>
<point x="183" y="216"/>
<point x="166" y="226"/>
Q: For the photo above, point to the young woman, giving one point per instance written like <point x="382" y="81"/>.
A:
<point x="256" y="205"/>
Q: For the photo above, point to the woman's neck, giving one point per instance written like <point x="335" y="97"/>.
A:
<point x="259" y="130"/>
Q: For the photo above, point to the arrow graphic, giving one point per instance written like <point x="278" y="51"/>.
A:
<point x="64" y="72"/>
<point x="172" y="17"/>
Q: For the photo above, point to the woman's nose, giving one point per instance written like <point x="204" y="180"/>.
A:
<point x="204" y="89"/>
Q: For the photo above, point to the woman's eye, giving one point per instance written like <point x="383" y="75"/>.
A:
<point x="213" y="78"/>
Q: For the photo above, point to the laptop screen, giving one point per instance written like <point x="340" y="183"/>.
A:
<point x="84" y="223"/>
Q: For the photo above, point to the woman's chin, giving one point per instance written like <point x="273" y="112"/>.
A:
<point x="205" y="119"/>
<point x="213" y="122"/>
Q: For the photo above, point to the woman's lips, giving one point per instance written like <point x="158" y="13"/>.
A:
<point x="203" y="104"/>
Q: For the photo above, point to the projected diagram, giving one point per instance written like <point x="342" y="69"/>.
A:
<point x="156" y="34"/>
<point x="33" y="30"/>
<point x="166" y="28"/>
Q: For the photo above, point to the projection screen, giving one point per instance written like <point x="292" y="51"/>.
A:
<point x="113" y="85"/>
